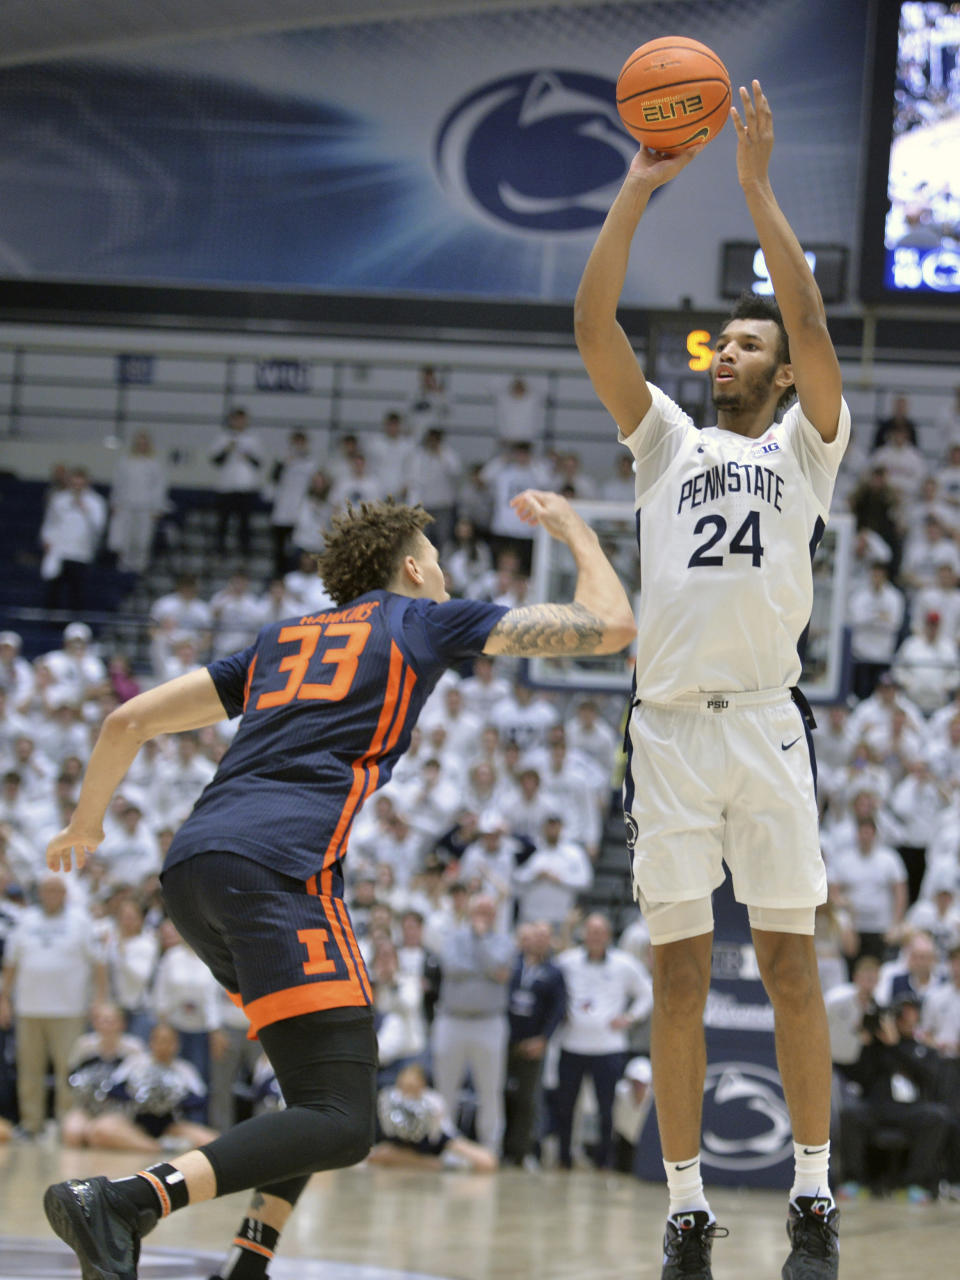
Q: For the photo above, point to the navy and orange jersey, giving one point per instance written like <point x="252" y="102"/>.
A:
<point x="328" y="703"/>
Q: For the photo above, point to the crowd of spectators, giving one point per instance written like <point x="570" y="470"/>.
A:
<point x="468" y="874"/>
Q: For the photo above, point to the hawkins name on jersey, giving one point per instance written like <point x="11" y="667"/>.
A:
<point x="727" y="526"/>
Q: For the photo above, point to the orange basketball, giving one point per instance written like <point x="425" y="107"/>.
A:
<point x="673" y="93"/>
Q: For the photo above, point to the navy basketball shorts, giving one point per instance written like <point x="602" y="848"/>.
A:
<point x="278" y="949"/>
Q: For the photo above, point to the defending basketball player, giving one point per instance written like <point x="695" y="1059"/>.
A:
<point x="720" y="756"/>
<point x="254" y="878"/>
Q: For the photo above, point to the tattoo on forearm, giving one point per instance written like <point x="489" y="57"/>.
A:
<point x="549" y="630"/>
<point x="257" y="1200"/>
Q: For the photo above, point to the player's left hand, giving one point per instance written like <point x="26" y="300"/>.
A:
<point x="754" y="135"/>
<point x="71" y="842"/>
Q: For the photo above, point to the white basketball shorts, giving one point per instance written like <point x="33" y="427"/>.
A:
<point x="723" y="777"/>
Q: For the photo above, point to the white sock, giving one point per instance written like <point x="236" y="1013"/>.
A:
<point x="811" y="1171"/>
<point x="685" y="1186"/>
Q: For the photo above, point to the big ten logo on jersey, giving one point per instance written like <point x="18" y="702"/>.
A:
<point x="349" y="633"/>
<point x="490" y="150"/>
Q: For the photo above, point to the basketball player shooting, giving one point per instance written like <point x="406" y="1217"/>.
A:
<point x="720" y="756"/>
<point x="254" y="878"/>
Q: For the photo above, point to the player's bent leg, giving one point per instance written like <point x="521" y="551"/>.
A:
<point x="328" y="1124"/>
<point x="788" y="966"/>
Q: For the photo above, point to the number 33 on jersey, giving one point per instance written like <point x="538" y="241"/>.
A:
<point x="727" y="526"/>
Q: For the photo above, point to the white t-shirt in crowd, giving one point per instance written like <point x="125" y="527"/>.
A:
<point x="54" y="955"/>
<point x="868" y="882"/>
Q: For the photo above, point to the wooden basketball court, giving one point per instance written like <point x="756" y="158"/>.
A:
<point x="380" y="1224"/>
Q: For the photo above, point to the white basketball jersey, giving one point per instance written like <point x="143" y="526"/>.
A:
<point x="727" y="527"/>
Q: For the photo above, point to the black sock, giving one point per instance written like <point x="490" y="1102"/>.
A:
<point x="253" y="1249"/>
<point x="161" y="1188"/>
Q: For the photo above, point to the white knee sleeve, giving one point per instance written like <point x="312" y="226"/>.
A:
<point x="783" y="919"/>
<point x="673" y="921"/>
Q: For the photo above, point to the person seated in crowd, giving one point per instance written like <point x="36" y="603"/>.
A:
<point x="875" y="612"/>
<point x="186" y="997"/>
<point x="905" y="465"/>
<point x="358" y="484"/>
<point x="467" y="560"/>
<point x="431" y="475"/>
<point x="875" y="505"/>
<point x="17" y="678"/>
<point x="937" y="915"/>
<point x="79" y="674"/>
<point x="898" y="420"/>
<point x="388" y="451"/>
<point x="159" y="1090"/>
<point x="632" y="1101"/>
<point x="313" y="516"/>
<point x="927" y="666"/>
<point x="415" y="1130"/>
<point x="237" y="613"/>
<point x="913" y="972"/>
<point x="94" y="1059"/>
<point x="552" y="878"/>
<point x="489" y="863"/>
<point x="928" y="550"/>
<point x="899" y="1079"/>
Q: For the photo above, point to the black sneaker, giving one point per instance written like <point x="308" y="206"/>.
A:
<point x="687" y="1243"/>
<point x="99" y="1225"/>
<point x="813" y="1228"/>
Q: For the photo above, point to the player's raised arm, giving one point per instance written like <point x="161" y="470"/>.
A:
<point x="609" y="359"/>
<point x="599" y="620"/>
<point x="816" y="371"/>
<point x="188" y="702"/>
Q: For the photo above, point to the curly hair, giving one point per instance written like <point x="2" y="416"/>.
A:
<point x="756" y="306"/>
<point x="364" y="546"/>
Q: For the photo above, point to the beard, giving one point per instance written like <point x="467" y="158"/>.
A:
<point x="750" y="395"/>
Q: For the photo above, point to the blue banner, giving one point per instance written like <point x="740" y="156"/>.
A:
<point x="474" y="154"/>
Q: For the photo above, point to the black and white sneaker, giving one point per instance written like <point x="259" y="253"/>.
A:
<point x="687" y="1244"/>
<point x="99" y="1225"/>
<point x="813" y="1229"/>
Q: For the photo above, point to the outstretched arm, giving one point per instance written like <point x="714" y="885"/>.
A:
<point x="609" y="359"/>
<point x="600" y="619"/>
<point x="816" y="371"/>
<point x="188" y="702"/>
